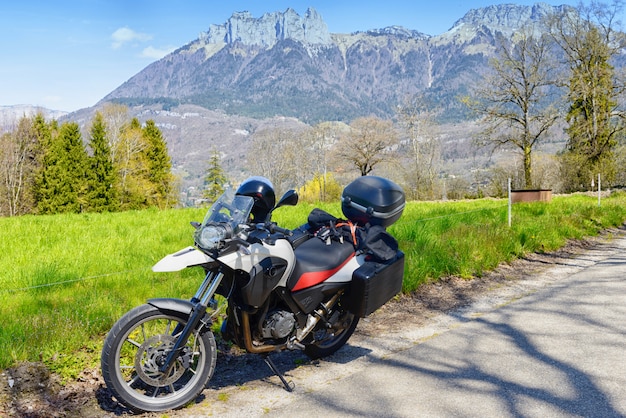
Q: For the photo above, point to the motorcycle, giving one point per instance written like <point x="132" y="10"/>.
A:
<point x="302" y="289"/>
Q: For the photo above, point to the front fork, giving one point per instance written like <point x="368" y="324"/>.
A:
<point x="199" y="304"/>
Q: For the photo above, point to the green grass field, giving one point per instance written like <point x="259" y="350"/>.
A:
<point x="67" y="278"/>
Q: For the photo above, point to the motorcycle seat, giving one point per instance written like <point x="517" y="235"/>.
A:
<point x="317" y="260"/>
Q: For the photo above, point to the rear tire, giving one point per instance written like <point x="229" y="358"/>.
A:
<point x="135" y="347"/>
<point x="329" y="345"/>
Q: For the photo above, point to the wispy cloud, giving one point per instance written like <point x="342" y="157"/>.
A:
<point x="156" y="53"/>
<point x="125" y="35"/>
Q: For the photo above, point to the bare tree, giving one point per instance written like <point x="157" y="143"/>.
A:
<point x="17" y="159"/>
<point x="131" y="165"/>
<point x="369" y="142"/>
<point x="324" y="136"/>
<point x="282" y="155"/>
<point x="116" y="119"/>
<point x="423" y="148"/>
<point x="517" y="99"/>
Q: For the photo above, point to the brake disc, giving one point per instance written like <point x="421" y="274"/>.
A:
<point x="151" y="355"/>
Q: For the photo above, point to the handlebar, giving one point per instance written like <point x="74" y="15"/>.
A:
<point x="273" y="228"/>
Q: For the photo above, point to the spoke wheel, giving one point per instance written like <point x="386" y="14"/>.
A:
<point x="136" y="348"/>
<point x="328" y="341"/>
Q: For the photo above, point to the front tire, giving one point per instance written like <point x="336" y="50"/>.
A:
<point x="134" y="349"/>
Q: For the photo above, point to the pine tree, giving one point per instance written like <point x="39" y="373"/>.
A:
<point x="215" y="179"/>
<point x="102" y="182"/>
<point x="61" y="182"/>
<point x="41" y="191"/>
<point x="43" y="131"/>
<point x="159" y="167"/>
<point x="46" y="179"/>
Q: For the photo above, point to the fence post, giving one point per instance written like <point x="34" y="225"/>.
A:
<point x="509" y="202"/>
<point x="599" y="189"/>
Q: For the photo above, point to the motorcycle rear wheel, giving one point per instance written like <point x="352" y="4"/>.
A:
<point x="135" y="347"/>
<point x="330" y="345"/>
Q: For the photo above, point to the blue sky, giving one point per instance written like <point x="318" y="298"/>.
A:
<point x="68" y="54"/>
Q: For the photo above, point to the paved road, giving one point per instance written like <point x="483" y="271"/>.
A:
<point x="558" y="352"/>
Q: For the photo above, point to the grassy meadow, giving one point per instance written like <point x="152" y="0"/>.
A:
<point x="67" y="278"/>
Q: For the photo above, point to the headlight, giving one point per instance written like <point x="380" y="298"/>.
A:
<point x="209" y="237"/>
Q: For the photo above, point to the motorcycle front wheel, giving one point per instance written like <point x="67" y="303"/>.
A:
<point x="135" y="348"/>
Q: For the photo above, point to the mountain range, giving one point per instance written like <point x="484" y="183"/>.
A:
<point x="283" y="69"/>
<point x="290" y="65"/>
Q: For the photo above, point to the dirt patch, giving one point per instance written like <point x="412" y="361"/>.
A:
<point x="30" y="390"/>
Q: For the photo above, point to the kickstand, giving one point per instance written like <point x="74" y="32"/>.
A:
<point x="288" y="385"/>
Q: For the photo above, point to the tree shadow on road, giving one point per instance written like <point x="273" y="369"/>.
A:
<point x="496" y="362"/>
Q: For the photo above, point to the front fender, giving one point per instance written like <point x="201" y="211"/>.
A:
<point x="183" y="308"/>
<point x="172" y="305"/>
<point x="187" y="257"/>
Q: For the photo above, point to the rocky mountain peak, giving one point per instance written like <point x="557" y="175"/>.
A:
<point x="269" y="29"/>
<point x="505" y="18"/>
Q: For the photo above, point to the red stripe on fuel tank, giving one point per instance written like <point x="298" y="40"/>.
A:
<point x="312" y="278"/>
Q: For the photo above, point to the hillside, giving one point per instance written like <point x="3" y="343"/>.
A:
<point x="290" y="65"/>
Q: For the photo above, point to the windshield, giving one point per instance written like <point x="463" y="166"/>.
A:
<point x="229" y="208"/>
<point x="222" y="222"/>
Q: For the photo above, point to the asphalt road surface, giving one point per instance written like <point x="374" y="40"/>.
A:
<point x="559" y="351"/>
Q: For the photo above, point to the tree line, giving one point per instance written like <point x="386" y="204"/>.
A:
<point x="47" y="167"/>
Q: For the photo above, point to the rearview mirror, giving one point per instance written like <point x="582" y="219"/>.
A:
<point x="290" y="198"/>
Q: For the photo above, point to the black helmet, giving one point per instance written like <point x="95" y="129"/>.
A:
<point x="262" y="191"/>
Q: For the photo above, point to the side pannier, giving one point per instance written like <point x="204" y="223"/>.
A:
<point x="374" y="284"/>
